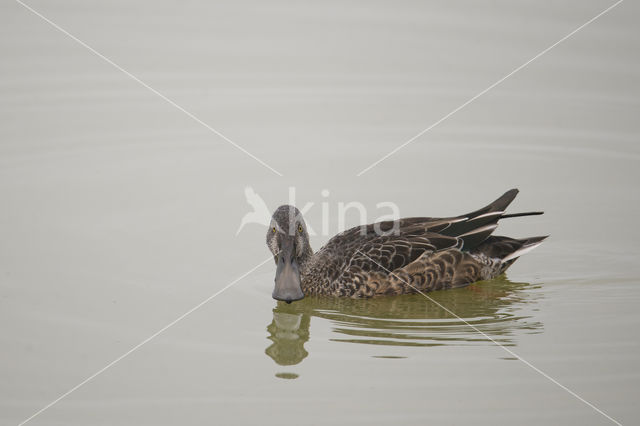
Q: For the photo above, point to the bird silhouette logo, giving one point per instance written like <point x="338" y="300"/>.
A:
<point x="260" y="213"/>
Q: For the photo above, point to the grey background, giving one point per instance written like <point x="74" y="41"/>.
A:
<point x="119" y="212"/>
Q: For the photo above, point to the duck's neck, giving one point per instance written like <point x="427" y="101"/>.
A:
<point x="305" y="257"/>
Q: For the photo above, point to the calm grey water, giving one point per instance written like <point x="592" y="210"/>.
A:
<point x="119" y="212"/>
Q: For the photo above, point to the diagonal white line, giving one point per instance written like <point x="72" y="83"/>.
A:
<point x="145" y="85"/>
<point x="142" y="343"/>
<point x="509" y="351"/>
<point x="398" y="148"/>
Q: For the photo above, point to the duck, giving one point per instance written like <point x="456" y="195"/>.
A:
<point x="395" y="257"/>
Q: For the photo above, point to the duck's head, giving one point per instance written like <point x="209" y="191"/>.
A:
<point x="288" y="240"/>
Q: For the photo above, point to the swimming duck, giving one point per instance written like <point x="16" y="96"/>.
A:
<point x="410" y="255"/>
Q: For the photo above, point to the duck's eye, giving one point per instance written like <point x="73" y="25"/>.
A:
<point x="273" y="229"/>
<point x="300" y="229"/>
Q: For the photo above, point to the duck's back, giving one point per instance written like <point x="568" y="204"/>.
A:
<point x="414" y="254"/>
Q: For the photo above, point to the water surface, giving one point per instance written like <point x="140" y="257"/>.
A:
<point x="119" y="213"/>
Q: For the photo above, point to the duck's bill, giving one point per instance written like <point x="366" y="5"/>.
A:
<point x="287" y="286"/>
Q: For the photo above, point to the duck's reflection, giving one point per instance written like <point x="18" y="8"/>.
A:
<point x="409" y="320"/>
<point x="288" y="331"/>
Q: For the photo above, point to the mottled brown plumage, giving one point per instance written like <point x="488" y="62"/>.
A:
<point x="398" y="257"/>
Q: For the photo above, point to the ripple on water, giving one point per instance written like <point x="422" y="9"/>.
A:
<point x="410" y="320"/>
<point x="287" y="376"/>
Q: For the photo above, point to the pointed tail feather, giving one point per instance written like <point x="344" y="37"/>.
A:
<point x="506" y="250"/>
<point x="475" y="230"/>
<point x="475" y="227"/>
<point x="499" y="205"/>
<point x="527" y="245"/>
<point x="506" y="216"/>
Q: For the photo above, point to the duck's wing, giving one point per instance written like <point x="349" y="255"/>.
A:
<point x="347" y="253"/>
<point x="471" y="228"/>
<point x="350" y="261"/>
<point x="359" y="260"/>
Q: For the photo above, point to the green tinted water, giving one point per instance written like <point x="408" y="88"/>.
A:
<point x="119" y="213"/>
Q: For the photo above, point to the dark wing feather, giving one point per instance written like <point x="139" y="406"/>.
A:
<point x="472" y="228"/>
<point x="366" y="252"/>
<point x="480" y="218"/>
<point x="353" y="254"/>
